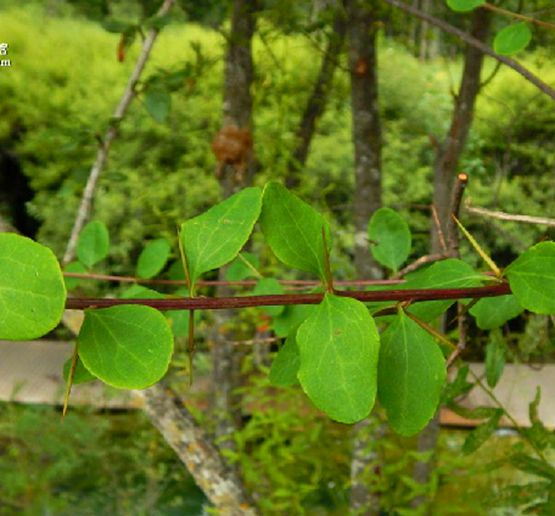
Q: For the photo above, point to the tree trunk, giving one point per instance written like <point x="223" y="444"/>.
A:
<point x="317" y="101"/>
<point x="451" y="149"/>
<point x="367" y="137"/>
<point x="219" y="483"/>
<point x="237" y="113"/>
<point x="445" y="172"/>
<point x="367" y="198"/>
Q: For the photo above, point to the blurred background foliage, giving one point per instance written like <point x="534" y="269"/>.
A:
<point x="55" y="104"/>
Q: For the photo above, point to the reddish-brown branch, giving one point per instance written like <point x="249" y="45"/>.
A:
<point x="223" y="303"/>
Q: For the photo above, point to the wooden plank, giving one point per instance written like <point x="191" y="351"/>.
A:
<point x="31" y="372"/>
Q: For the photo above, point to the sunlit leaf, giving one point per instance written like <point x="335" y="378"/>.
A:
<point x="493" y="312"/>
<point x="339" y="347"/>
<point x="411" y="375"/>
<point x="153" y="258"/>
<point x="293" y="229"/>
<point x="32" y="289"/>
<point x="532" y="278"/>
<point x="126" y="346"/>
<point x="389" y="237"/>
<point x="464" y="5"/>
<point x="93" y="243"/>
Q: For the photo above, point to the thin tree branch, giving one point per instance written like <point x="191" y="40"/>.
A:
<point x="518" y="16"/>
<point x="192" y="445"/>
<point x="443" y="25"/>
<point x="111" y="133"/>
<point x="526" y="219"/>
<point x="224" y="303"/>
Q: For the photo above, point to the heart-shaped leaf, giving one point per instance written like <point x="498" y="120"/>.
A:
<point x="126" y="346"/>
<point x="216" y="237"/>
<point x="390" y="238"/>
<point x="512" y="39"/>
<point x="293" y="229"/>
<point x="339" y="346"/>
<point x="532" y="278"/>
<point x="153" y="258"/>
<point x="93" y="243"/>
<point x="411" y="375"/>
<point x="32" y="289"/>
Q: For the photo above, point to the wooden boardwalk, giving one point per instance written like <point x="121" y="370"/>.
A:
<point x="31" y="372"/>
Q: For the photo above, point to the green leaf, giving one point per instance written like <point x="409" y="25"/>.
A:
<point x="81" y="375"/>
<point x="339" y="346"/>
<point x="175" y="271"/>
<point x="153" y="258"/>
<point x="158" y="103"/>
<point x="158" y="21"/>
<point x="285" y="366"/>
<point x="32" y="289"/>
<point x="450" y="273"/>
<point x="411" y="375"/>
<point x="512" y="39"/>
<point x="473" y="413"/>
<point x="482" y="433"/>
<point x="126" y="346"/>
<point x="532" y="278"/>
<point x="216" y="237"/>
<point x="136" y="291"/>
<point x="463" y="6"/>
<point x="495" y="358"/>
<point x="493" y="312"/>
<point x="290" y="318"/>
<point x="390" y="238"/>
<point x="93" y="243"/>
<point x="459" y="386"/>
<point x="266" y="287"/>
<point x="74" y="267"/>
<point x="293" y="229"/>
<point x="238" y="270"/>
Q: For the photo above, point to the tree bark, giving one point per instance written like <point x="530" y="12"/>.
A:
<point x="367" y="139"/>
<point x="219" y="483"/>
<point x="444" y="174"/>
<point x="316" y="103"/>
<point x="237" y="112"/>
<point x="450" y="151"/>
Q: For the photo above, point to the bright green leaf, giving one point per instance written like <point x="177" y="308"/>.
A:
<point x="32" y="289"/>
<point x="493" y="312"/>
<point x="238" y="270"/>
<point x="93" y="243"/>
<point x="153" y="258"/>
<point x="216" y="237"/>
<point x="285" y="366"/>
<point x="495" y="358"/>
<point x="450" y="273"/>
<point x="462" y="6"/>
<point x="73" y="267"/>
<point x="81" y="375"/>
<point x="339" y="346"/>
<point x="390" y="238"/>
<point x="293" y="229"/>
<point x="532" y="278"/>
<point x="512" y="39"/>
<point x="411" y="375"/>
<point x="179" y="322"/>
<point x="136" y="291"/>
<point x="158" y="103"/>
<point x="126" y="346"/>
<point x="266" y="287"/>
